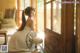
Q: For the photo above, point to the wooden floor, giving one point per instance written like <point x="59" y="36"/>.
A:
<point x="53" y="42"/>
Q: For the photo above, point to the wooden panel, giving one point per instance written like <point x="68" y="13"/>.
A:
<point x="44" y="14"/>
<point x="53" y="42"/>
<point x="78" y="28"/>
<point x="68" y="26"/>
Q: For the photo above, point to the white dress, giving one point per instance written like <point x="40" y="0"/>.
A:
<point x="20" y="42"/>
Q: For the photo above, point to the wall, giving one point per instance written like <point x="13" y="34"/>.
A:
<point x="5" y="4"/>
<point x="9" y="23"/>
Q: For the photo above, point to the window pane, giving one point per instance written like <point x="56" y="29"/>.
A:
<point x="24" y="4"/>
<point x="21" y="4"/>
<point x="57" y="17"/>
<point x="40" y="15"/>
<point x="48" y="16"/>
<point x="27" y="3"/>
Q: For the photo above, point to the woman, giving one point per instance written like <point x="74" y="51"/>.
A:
<point x="23" y="40"/>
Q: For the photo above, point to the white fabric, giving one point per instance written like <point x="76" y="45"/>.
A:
<point x="18" y="40"/>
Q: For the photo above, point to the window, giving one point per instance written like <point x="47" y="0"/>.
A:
<point x="53" y="15"/>
<point x="57" y="16"/>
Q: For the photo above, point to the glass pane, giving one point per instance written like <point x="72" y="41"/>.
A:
<point x="48" y="16"/>
<point x="21" y="4"/>
<point x="40" y="15"/>
<point x="24" y="4"/>
<point x="27" y="3"/>
<point x="57" y="17"/>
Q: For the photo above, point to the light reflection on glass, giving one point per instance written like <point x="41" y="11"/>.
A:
<point x="57" y="16"/>
<point x="48" y="16"/>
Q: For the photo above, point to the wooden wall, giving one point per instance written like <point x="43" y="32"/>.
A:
<point x="53" y="42"/>
<point x="64" y="43"/>
<point x="78" y="28"/>
<point x="67" y="26"/>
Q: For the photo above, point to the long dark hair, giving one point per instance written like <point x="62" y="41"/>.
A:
<point x="27" y="12"/>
